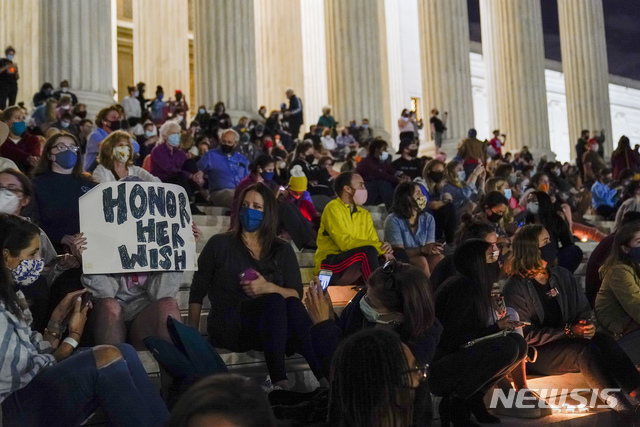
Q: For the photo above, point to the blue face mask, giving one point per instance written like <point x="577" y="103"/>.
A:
<point x="462" y="176"/>
<point x="10" y="57"/>
<point x="18" y="128"/>
<point x="507" y="193"/>
<point x="160" y="96"/>
<point x="174" y="139"/>
<point x="148" y="134"/>
<point x="202" y="111"/>
<point x="250" y="219"/>
<point x="66" y="159"/>
<point x="267" y="176"/>
<point x="384" y="156"/>
<point x="64" y="125"/>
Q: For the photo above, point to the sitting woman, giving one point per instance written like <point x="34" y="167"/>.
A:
<point x="477" y="333"/>
<point x="397" y="296"/>
<point x="463" y="189"/>
<point x="564" y="338"/>
<point x="411" y="230"/>
<point x="439" y="203"/>
<point x="304" y="156"/>
<point x="261" y="170"/>
<point x="541" y="211"/>
<point x="253" y="282"/>
<point x="375" y="380"/>
<point x="618" y="301"/>
<point x="492" y="210"/>
<point x="501" y="185"/>
<point x="116" y="160"/>
<point x="47" y="384"/>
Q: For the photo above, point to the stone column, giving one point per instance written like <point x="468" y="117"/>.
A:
<point x="225" y="55"/>
<point x="356" y="57"/>
<point x="446" y="70"/>
<point x="161" y="46"/>
<point x="77" y="44"/>
<point x="513" y="52"/>
<point x="19" y="27"/>
<point x="314" y="58"/>
<point x="586" y="73"/>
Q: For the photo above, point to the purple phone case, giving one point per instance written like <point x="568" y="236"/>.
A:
<point x="249" y="274"/>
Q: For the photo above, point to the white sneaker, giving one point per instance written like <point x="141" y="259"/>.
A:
<point x="268" y="386"/>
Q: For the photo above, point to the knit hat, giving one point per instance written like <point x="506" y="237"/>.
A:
<point x="298" y="180"/>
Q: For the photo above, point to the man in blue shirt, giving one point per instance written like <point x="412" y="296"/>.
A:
<point x="224" y="168"/>
<point x="107" y="121"/>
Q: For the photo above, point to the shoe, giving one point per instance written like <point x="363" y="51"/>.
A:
<point x="476" y="405"/>
<point x="460" y="413"/>
<point x="541" y="408"/>
<point x="268" y="386"/>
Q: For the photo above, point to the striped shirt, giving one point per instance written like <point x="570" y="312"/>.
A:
<point x="23" y="352"/>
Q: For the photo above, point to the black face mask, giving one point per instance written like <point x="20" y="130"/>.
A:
<point x="413" y="153"/>
<point x="494" y="271"/>
<point x="226" y="149"/>
<point x="115" y="125"/>
<point x="436" y="176"/>
<point x="494" y="217"/>
<point x="310" y="158"/>
<point x="549" y="252"/>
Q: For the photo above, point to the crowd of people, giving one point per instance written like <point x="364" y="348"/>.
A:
<point x="466" y="283"/>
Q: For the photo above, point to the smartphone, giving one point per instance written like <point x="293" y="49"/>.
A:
<point x="248" y="275"/>
<point x="525" y="323"/>
<point x="325" y="278"/>
<point x="86" y="297"/>
<point x="500" y="304"/>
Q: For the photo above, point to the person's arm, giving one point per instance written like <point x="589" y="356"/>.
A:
<point x="298" y="106"/>
<point x="393" y="233"/>
<point x="341" y="233"/>
<point x="292" y="280"/>
<point x="424" y="347"/>
<point x="202" y="279"/>
<point x="624" y="284"/>
<point x="100" y="174"/>
<point x="144" y="175"/>
<point x="165" y="163"/>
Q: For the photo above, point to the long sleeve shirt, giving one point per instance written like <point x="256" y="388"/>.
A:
<point x="131" y="107"/>
<point x="618" y="301"/>
<point x="93" y="147"/>
<point x="19" y="151"/>
<point x="603" y="195"/>
<point x="340" y="231"/>
<point x="102" y="174"/>
<point x="167" y="162"/>
<point x="372" y="168"/>
<point x="223" y="171"/>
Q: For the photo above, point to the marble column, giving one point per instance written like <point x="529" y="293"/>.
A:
<point x="446" y="70"/>
<point x="77" y="44"/>
<point x="586" y="73"/>
<point x="513" y="52"/>
<point x="357" y="62"/>
<point x="225" y="55"/>
<point x="161" y="46"/>
<point x="19" y="28"/>
<point x="393" y="75"/>
<point x="314" y="59"/>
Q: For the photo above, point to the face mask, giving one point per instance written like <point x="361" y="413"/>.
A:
<point x="360" y="196"/>
<point x="371" y="315"/>
<point x="296" y="196"/>
<point x="10" y="57"/>
<point x="18" y="128"/>
<point x="495" y="255"/>
<point x="121" y="154"/>
<point x="462" y="175"/>
<point x="160" y="96"/>
<point x="27" y="271"/>
<point x="421" y="202"/>
<point x="384" y="156"/>
<point x="201" y="111"/>
<point x="67" y="159"/>
<point x="136" y="94"/>
<point x="148" y="134"/>
<point x="267" y="176"/>
<point x="543" y="187"/>
<point x="180" y="118"/>
<point x="533" y="208"/>
<point x="634" y="254"/>
<point x="9" y="201"/>
<point x="250" y="219"/>
<point x="494" y="217"/>
<point x="64" y="125"/>
<point x="436" y="176"/>
<point x="174" y="139"/>
<point x="282" y="165"/>
<point x="310" y="158"/>
<point x="115" y="125"/>
<point x="557" y="172"/>
<point x="548" y="252"/>
<point x="65" y="89"/>
<point x="82" y="114"/>
<point x="365" y="126"/>
<point x="413" y="153"/>
<point x="226" y="149"/>
<point x="507" y="193"/>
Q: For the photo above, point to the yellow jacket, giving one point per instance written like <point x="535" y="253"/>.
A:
<point x="617" y="304"/>
<point x="341" y="231"/>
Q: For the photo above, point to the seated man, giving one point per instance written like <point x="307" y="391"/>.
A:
<point x="380" y="177"/>
<point x="348" y="243"/>
<point x="224" y="169"/>
<point x="409" y="163"/>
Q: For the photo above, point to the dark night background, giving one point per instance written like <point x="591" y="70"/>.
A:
<point x="622" y="29"/>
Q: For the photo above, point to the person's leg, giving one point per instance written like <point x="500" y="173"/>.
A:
<point x="106" y="322"/>
<point x="223" y="198"/>
<point x="4" y="96"/>
<point x="152" y="321"/>
<point x="300" y="230"/>
<point x="433" y="260"/>
<point x="13" y="93"/>
<point x="386" y="193"/>
<point x="421" y="262"/>
<point x="361" y="261"/>
<point x="617" y="361"/>
<point x="373" y="192"/>
<point x="630" y="343"/>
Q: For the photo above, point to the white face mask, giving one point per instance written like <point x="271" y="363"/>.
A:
<point x="9" y="201"/>
<point x="533" y="208"/>
<point x="121" y="154"/>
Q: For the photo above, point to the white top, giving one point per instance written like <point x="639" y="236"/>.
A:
<point x="102" y="174"/>
<point x="7" y="164"/>
<point x="328" y="143"/>
<point x="131" y="107"/>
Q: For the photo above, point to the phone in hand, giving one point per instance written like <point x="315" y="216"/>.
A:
<point x="325" y="278"/>
<point x="86" y="298"/>
<point x="248" y="275"/>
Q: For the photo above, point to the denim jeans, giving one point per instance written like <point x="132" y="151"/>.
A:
<point x="66" y="393"/>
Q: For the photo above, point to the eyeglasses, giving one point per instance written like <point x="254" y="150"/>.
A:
<point x="62" y="147"/>
<point x="421" y="370"/>
<point x="14" y="190"/>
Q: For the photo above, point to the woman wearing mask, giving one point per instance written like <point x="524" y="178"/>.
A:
<point x="254" y="285"/>
<point x="21" y="147"/>
<point x="304" y="156"/>
<point x="562" y="335"/>
<point x="48" y="383"/>
<point x="617" y="304"/>
<point x="379" y="176"/>
<point x="623" y="157"/>
<point x="439" y="203"/>
<point x="262" y="170"/>
<point x="463" y="189"/>
<point x="411" y="230"/>
<point x="477" y="332"/>
<point x="116" y="160"/>
<point x="494" y="207"/>
<point x="502" y="186"/>
<point x="398" y="297"/>
<point x="541" y="211"/>
<point x="159" y="108"/>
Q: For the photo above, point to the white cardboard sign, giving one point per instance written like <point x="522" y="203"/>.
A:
<point x="137" y="227"/>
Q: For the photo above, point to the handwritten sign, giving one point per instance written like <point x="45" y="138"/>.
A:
<point x="137" y="227"/>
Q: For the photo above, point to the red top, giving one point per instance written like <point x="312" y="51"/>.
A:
<point x="27" y="146"/>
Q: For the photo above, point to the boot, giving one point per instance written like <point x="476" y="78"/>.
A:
<point x="460" y="413"/>
<point x="476" y="404"/>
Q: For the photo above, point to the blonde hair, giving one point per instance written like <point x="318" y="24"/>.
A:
<point x="525" y="259"/>
<point x="451" y="176"/>
<point x="493" y="183"/>
<point x="105" y="156"/>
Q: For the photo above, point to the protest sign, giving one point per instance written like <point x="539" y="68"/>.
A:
<point x="137" y="227"/>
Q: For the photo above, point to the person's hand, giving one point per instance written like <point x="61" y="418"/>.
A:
<point x="404" y="178"/>
<point x="151" y="141"/>
<point x="67" y="262"/>
<point x="78" y="245"/>
<point x="388" y="257"/>
<point x="198" y="178"/>
<point x="507" y="323"/>
<point x="197" y="233"/>
<point x="584" y="329"/>
<point x="287" y="113"/>
<point x="479" y="170"/>
<point x="65" y="306"/>
<point x="433" y="248"/>
<point x="78" y="318"/>
<point x="447" y="198"/>
<point x="33" y="160"/>
<point x="257" y="287"/>
<point x="318" y="303"/>
<point x="386" y="248"/>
